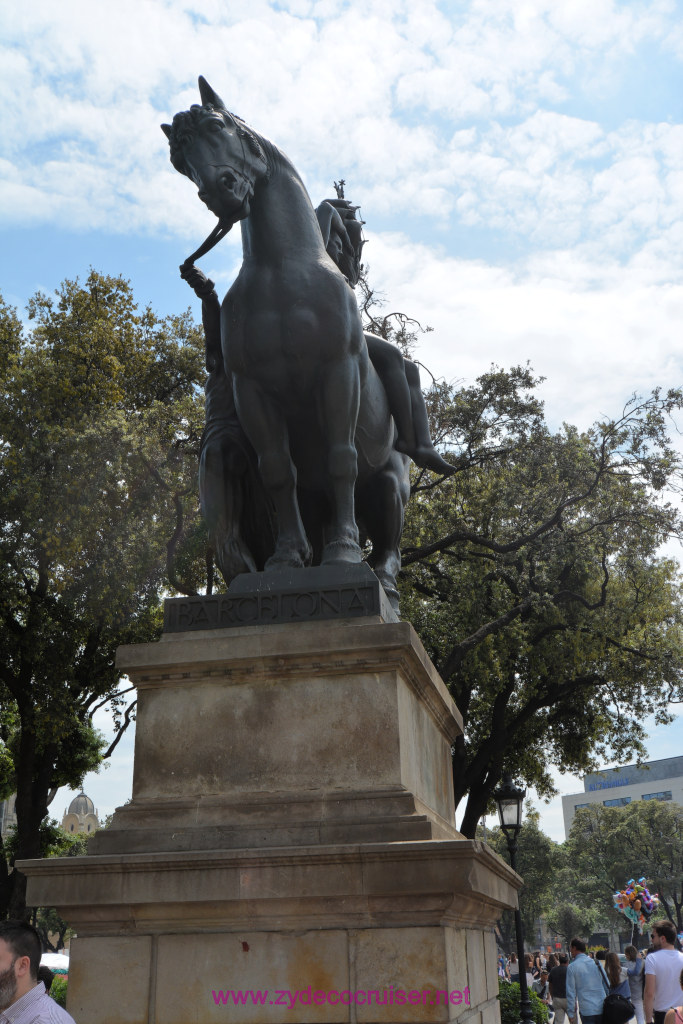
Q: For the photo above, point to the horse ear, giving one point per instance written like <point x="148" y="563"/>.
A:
<point x="166" y="129"/>
<point x="209" y="96"/>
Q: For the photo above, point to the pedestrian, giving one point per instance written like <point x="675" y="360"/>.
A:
<point x="584" y="986"/>
<point x="540" y="987"/>
<point x="662" y="973"/>
<point x="617" y="977"/>
<point x="557" y="980"/>
<point x="20" y="991"/>
<point x="529" y="969"/>
<point x="675" y="1014"/>
<point x="635" y="981"/>
<point x="47" y="977"/>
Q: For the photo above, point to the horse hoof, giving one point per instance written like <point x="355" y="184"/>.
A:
<point x="341" y="552"/>
<point x="233" y="559"/>
<point x="291" y="560"/>
<point x="389" y="586"/>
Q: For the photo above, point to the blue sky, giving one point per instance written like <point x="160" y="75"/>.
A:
<point x="519" y="164"/>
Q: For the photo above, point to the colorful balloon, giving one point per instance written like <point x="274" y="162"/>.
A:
<point x="635" y="902"/>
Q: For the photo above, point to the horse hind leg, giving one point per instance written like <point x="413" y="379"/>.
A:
<point x="383" y="505"/>
<point x="340" y="403"/>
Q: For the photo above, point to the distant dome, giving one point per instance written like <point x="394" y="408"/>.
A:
<point x="81" y="805"/>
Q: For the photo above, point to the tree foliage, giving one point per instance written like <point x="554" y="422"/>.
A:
<point x="568" y="918"/>
<point x="99" y="414"/>
<point x="609" y="845"/>
<point x="534" y="580"/>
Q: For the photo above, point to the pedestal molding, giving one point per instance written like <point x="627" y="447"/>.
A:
<point x="384" y="647"/>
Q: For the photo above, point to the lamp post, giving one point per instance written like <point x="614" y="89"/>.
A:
<point x="510" y="800"/>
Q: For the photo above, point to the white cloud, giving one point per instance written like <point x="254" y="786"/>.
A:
<point x="444" y="119"/>
<point x="595" y="331"/>
<point x="328" y="99"/>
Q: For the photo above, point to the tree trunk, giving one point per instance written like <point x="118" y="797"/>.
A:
<point x="6" y="883"/>
<point x="33" y="787"/>
<point x="17" y="909"/>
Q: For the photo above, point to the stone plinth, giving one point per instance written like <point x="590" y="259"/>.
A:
<point x="290" y="831"/>
<point x="414" y="917"/>
<point x="286" y="735"/>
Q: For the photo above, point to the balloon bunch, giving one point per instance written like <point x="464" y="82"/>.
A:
<point x="636" y="902"/>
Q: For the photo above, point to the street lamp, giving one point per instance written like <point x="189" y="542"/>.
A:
<point x="510" y="801"/>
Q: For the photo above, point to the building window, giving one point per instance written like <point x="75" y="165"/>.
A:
<point x="618" y="802"/>
<point x="664" y="795"/>
<point x="72" y="828"/>
<point x="579" y="807"/>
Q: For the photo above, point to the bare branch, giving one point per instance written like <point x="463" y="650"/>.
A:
<point x="122" y="728"/>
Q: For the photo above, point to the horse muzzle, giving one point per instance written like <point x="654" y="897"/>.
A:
<point x="229" y="196"/>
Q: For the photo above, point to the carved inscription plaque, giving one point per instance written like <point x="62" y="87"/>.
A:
<point x="297" y="595"/>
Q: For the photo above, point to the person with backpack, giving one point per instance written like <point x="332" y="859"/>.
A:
<point x="617" y="977"/>
<point x="617" y="1007"/>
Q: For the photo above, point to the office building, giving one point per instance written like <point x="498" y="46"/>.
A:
<point x="617" y="787"/>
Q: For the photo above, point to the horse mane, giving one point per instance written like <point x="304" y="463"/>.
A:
<point x="184" y="128"/>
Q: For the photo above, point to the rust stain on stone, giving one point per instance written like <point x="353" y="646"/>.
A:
<point x="245" y="947"/>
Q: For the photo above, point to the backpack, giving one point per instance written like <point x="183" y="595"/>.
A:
<point x="616" y="1009"/>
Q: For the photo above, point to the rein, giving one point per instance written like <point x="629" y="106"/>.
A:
<point x="209" y="242"/>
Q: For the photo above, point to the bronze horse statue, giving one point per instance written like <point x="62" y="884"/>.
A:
<point x="295" y="357"/>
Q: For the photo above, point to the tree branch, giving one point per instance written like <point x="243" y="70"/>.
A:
<point x="458" y="652"/>
<point x="122" y="728"/>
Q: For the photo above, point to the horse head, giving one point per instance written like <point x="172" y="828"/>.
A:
<point x="220" y="154"/>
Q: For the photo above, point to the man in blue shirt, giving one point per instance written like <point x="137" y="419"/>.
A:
<point x="585" y="985"/>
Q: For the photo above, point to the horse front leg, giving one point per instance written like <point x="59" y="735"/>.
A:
<point x="266" y="428"/>
<point x="340" y="404"/>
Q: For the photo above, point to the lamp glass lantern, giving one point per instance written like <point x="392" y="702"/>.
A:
<point x="510" y="802"/>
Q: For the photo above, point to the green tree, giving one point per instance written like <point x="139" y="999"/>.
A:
<point x="537" y="862"/>
<point x="568" y="919"/>
<point x="58" y="990"/>
<point x="99" y="431"/>
<point x="609" y="845"/>
<point x="52" y="928"/>
<point x="534" y="580"/>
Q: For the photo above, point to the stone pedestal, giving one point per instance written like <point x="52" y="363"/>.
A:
<point x="290" y="831"/>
